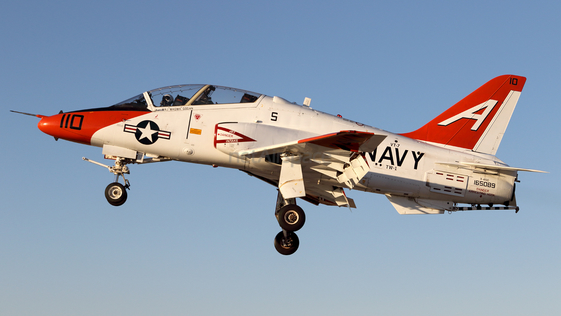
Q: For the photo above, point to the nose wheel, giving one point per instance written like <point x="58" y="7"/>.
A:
<point x="116" y="194"/>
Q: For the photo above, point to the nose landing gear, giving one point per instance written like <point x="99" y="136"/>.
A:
<point x="116" y="193"/>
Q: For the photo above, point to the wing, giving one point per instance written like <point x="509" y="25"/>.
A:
<point x="314" y="168"/>
<point x="346" y="141"/>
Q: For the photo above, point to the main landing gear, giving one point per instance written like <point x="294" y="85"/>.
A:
<point x="291" y="218"/>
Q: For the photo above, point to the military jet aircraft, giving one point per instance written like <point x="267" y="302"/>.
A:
<point x="447" y="165"/>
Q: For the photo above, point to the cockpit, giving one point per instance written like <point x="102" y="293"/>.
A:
<point x="187" y="95"/>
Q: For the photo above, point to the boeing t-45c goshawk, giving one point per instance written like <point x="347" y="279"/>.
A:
<point x="447" y="165"/>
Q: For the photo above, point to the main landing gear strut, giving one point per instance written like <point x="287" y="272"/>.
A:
<point x="291" y="218"/>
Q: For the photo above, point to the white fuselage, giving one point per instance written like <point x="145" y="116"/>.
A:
<point x="399" y="166"/>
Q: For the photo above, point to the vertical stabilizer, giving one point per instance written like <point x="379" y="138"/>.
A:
<point x="479" y="121"/>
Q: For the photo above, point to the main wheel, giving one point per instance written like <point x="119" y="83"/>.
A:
<point x="286" y="246"/>
<point x="291" y="217"/>
<point x="116" y="194"/>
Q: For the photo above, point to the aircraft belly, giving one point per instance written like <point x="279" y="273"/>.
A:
<point x="391" y="184"/>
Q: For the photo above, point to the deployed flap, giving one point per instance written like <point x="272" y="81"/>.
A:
<point x="354" y="172"/>
<point x="329" y="196"/>
<point x="344" y="167"/>
<point x="335" y="155"/>
<point x="407" y="205"/>
<point x="291" y="181"/>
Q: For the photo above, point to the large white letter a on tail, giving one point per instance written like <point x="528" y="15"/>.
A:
<point x="471" y="114"/>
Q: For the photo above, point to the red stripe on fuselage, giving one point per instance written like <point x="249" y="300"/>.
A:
<point x="79" y="127"/>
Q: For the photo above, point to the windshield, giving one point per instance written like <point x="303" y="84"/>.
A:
<point x="199" y="94"/>
<point x="187" y="95"/>
<point x="174" y="95"/>
<point x="135" y="103"/>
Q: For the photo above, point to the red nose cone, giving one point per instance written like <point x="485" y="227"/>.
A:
<point x="47" y="125"/>
<point x="80" y="126"/>
<point x="67" y="126"/>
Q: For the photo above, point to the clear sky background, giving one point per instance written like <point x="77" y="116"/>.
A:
<point x="194" y="240"/>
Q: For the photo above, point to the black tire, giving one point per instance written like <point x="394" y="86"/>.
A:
<point x="286" y="246"/>
<point x="116" y="194"/>
<point x="291" y="217"/>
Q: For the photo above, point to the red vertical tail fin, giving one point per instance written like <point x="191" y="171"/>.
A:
<point x="479" y="121"/>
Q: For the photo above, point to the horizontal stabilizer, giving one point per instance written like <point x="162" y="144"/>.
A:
<point x="488" y="167"/>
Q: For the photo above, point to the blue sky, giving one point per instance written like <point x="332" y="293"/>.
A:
<point x="193" y="240"/>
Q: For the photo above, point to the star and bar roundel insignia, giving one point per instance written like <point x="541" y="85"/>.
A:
<point x="147" y="132"/>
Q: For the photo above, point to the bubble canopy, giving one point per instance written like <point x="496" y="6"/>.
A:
<point x="187" y="95"/>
